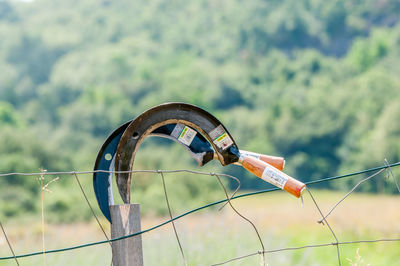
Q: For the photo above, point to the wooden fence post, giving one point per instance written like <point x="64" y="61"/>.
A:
<point x="126" y="220"/>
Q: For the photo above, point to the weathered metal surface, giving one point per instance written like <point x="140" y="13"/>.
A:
<point x="170" y="113"/>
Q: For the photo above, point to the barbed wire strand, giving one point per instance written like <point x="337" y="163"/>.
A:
<point x="314" y="182"/>
<point x="9" y="243"/>
<point x="322" y="180"/>
<point x="348" y="193"/>
<point x="326" y="221"/>
<point x="309" y="246"/>
<point x="391" y="173"/>
<point x="190" y="171"/>
<point x="173" y="223"/>
<point x="243" y="217"/>
<point x="94" y="214"/>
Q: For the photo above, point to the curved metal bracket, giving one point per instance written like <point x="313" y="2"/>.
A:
<point x="186" y="117"/>
<point x="199" y="148"/>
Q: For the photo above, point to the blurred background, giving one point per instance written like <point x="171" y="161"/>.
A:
<point x="317" y="82"/>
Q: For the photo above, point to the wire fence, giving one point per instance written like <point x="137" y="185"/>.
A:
<point x="227" y="201"/>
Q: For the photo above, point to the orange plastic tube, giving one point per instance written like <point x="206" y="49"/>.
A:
<point x="275" y="161"/>
<point x="272" y="175"/>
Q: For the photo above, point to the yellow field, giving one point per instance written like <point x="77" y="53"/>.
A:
<point x="215" y="236"/>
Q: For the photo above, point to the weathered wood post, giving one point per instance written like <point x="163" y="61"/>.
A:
<point x="125" y="221"/>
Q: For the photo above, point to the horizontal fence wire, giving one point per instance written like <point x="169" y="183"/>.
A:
<point x="322" y="180"/>
<point x="309" y="246"/>
<point x="189" y="171"/>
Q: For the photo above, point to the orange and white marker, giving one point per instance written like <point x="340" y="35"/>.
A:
<point x="272" y="175"/>
<point x="275" y="161"/>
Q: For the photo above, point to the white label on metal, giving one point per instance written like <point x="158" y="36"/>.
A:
<point x="223" y="141"/>
<point x="177" y="130"/>
<point x="187" y="135"/>
<point x="220" y="138"/>
<point x="274" y="176"/>
<point x="216" y="132"/>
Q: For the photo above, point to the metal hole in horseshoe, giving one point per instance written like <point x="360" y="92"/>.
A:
<point x="135" y="135"/>
<point x="108" y="156"/>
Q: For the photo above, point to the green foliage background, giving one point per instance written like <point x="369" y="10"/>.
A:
<point x="314" y="81"/>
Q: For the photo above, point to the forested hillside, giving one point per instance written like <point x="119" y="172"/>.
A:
<point x="315" y="81"/>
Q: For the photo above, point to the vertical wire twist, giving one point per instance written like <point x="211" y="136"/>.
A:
<point x="243" y="217"/>
<point x="391" y="173"/>
<point x="330" y="228"/>
<point x="170" y="215"/>
<point x="94" y="214"/>
<point x="348" y="193"/>
<point x="9" y="244"/>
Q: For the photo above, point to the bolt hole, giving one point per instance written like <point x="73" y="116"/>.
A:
<point x="135" y="135"/>
<point x="108" y="156"/>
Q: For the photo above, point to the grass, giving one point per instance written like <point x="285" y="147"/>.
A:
<point x="210" y="236"/>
